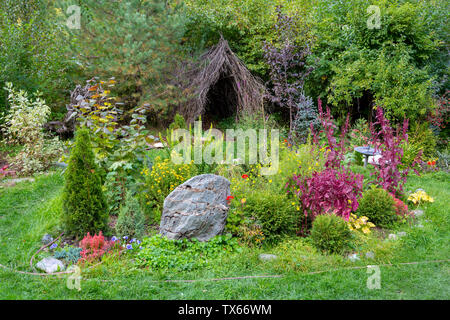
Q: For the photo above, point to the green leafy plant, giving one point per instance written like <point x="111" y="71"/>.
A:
<point x="84" y="205"/>
<point x="23" y="126"/>
<point x="34" y="43"/>
<point x="331" y="233"/>
<point x="378" y="206"/>
<point x="131" y="221"/>
<point x="160" y="253"/>
<point x="273" y="212"/>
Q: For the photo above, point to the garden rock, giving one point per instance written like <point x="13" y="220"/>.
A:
<point x="417" y="213"/>
<point x="267" y="257"/>
<point x="46" y="239"/>
<point x="50" y="265"/>
<point x="196" y="209"/>
<point x="353" y="257"/>
<point x="392" y="236"/>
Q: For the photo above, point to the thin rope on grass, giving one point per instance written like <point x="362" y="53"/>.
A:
<point x="234" y="278"/>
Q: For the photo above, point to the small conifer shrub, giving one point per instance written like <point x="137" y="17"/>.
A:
<point x="331" y="233"/>
<point x="84" y="205"/>
<point x="379" y="206"/>
<point x="131" y="221"/>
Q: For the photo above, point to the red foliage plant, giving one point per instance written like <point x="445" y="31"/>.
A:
<point x="4" y="172"/>
<point x="329" y="191"/>
<point x="388" y="142"/>
<point x="94" y="247"/>
<point x="401" y="209"/>
<point x="335" y="149"/>
<point x="336" y="189"/>
<point x="440" y="116"/>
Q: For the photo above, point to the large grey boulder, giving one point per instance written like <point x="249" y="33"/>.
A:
<point x="50" y="265"/>
<point x="196" y="209"/>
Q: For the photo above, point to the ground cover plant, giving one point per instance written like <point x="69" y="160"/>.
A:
<point x="90" y="200"/>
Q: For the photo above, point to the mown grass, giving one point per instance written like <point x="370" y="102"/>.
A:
<point x="30" y="210"/>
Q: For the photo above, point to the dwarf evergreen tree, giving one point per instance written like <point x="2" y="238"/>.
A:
<point x="131" y="221"/>
<point x="84" y="206"/>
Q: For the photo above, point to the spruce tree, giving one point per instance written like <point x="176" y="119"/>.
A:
<point x="84" y="206"/>
<point x="131" y="221"/>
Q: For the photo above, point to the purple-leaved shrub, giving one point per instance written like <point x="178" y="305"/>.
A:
<point x="335" y="189"/>
<point x="390" y="172"/>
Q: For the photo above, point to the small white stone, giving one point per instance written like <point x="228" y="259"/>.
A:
<point x="353" y="257"/>
<point x="50" y="265"/>
<point x="417" y="213"/>
<point x="267" y="257"/>
<point x="158" y="145"/>
<point x="392" y="236"/>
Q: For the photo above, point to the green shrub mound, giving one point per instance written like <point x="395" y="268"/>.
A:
<point x="131" y="220"/>
<point x="84" y="206"/>
<point x="274" y="213"/>
<point x="330" y="233"/>
<point x="378" y="205"/>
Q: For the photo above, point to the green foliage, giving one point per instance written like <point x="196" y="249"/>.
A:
<point x="131" y="221"/>
<point x="160" y="253"/>
<point x="274" y="213"/>
<point x="117" y="147"/>
<point x="84" y="205"/>
<point x="33" y="51"/>
<point x="360" y="133"/>
<point x="378" y="205"/>
<point x="421" y="136"/>
<point x="245" y="24"/>
<point x="369" y="179"/>
<point x="69" y="254"/>
<point x="331" y="233"/>
<point x="138" y="42"/>
<point x="23" y="126"/>
<point x="387" y="66"/>
<point x="178" y="122"/>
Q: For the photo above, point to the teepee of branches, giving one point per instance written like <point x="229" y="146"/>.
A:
<point x="220" y="84"/>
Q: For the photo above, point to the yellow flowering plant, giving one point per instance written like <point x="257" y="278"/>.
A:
<point x="419" y="197"/>
<point x="360" y="224"/>
<point x="159" y="181"/>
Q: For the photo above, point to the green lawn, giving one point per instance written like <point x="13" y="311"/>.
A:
<point x="30" y="210"/>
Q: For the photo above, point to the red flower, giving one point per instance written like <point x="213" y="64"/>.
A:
<point x="244" y="176"/>
<point x="5" y="167"/>
<point x="433" y="163"/>
<point x="229" y="198"/>
<point x="429" y="163"/>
